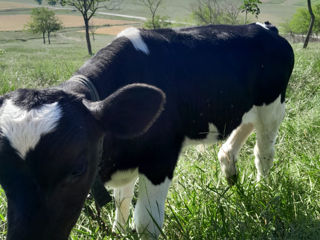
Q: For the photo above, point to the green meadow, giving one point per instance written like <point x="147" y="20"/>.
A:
<point x="200" y="204"/>
<point x="276" y="11"/>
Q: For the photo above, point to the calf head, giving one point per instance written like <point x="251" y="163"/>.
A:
<point x="49" y="151"/>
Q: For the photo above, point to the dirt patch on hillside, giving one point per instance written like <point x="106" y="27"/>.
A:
<point x="13" y="5"/>
<point x="77" y="21"/>
<point x="13" y="22"/>
<point x="17" y="22"/>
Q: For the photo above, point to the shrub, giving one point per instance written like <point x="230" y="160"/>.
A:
<point x="299" y="23"/>
<point x="215" y="12"/>
<point x="158" y="22"/>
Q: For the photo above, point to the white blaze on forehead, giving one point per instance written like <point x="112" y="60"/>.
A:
<point x="133" y="34"/>
<point x="262" y="25"/>
<point x="24" y="128"/>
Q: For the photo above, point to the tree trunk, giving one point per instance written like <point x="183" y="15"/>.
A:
<point x="306" y="41"/>
<point x="245" y="18"/>
<point x="86" y="24"/>
<point x="92" y="33"/>
<point x="43" y="37"/>
<point x="153" y="21"/>
<point x="49" y="38"/>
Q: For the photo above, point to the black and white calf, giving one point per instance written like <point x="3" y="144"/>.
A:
<point x="220" y="81"/>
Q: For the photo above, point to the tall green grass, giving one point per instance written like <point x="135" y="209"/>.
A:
<point x="200" y="204"/>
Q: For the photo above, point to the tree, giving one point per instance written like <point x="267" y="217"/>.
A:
<point x="88" y="8"/>
<point x="250" y="6"/>
<point x="44" y="21"/>
<point x="53" y="25"/>
<point x="92" y="29"/>
<point x="156" y="21"/>
<point x="300" y="21"/>
<point x="207" y="12"/>
<point x="153" y="6"/>
<point x="39" y="1"/>
<point x="216" y="12"/>
<point x="312" y="17"/>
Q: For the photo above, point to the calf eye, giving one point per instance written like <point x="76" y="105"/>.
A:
<point x="79" y="169"/>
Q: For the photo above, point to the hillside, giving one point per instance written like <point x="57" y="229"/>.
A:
<point x="275" y="11"/>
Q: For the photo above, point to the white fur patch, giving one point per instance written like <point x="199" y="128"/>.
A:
<point x="262" y="25"/>
<point x="229" y="151"/>
<point x="24" y="128"/>
<point x="123" y="197"/>
<point x="149" y="210"/>
<point x="266" y="120"/>
<point x="121" y="178"/>
<point x="211" y="138"/>
<point x="133" y="34"/>
<point x="267" y="112"/>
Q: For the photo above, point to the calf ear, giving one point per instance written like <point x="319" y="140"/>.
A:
<point x="130" y="111"/>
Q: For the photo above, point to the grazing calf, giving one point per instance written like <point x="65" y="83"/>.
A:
<point x="219" y="81"/>
<point x="50" y="147"/>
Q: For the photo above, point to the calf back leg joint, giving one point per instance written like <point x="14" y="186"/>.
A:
<point x="228" y="153"/>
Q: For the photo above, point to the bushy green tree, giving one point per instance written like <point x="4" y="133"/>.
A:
<point x="43" y="21"/>
<point x="252" y="7"/>
<point x="300" y="21"/>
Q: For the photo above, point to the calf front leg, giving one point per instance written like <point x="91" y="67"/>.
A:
<point x="123" y="197"/>
<point x="149" y="210"/>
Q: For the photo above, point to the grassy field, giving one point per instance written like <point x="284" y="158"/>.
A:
<point x="276" y="11"/>
<point x="200" y="205"/>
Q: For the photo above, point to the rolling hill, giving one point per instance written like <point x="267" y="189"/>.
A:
<point x="276" y="11"/>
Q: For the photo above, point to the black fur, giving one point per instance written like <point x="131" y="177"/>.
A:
<point x="210" y="74"/>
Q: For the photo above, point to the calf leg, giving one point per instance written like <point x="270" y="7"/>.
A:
<point x="149" y="210"/>
<point x="267" y="125"/>
<point x="123" y="197"/>
<point x="229" y="151"/>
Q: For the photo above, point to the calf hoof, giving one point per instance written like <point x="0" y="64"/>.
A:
<point x="232" y="180"/>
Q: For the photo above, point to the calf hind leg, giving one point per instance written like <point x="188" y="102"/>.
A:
<point x="149" y="210"/>
<point x="229" y="151"/>
<point x="267" y="126"/>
